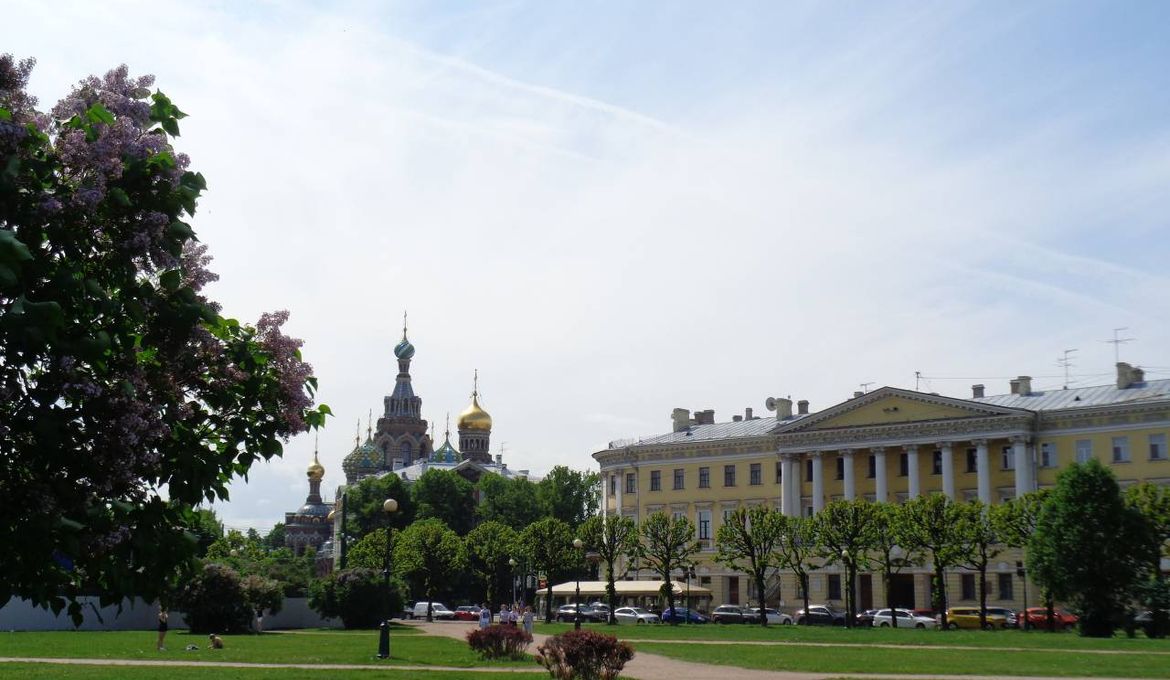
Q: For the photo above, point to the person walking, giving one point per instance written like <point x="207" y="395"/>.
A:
<point x="162" y="629"/>
<point x="485" y="616"/>
<point x="528" y="616"/>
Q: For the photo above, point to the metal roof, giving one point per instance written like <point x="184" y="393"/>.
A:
<point x="755" y="427"/>
<point x="1082" y="397"/>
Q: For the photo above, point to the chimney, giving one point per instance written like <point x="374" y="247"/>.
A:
<point x="499" y="459"/>
<point x="1025" y="382"/>
<point x="737" y="419"/>
<point x="1015" y="385"/>
<point x="1129" y="376"/>
<point x="1139" y="376"/>
<point x="858" y="393"/>
<point x="782" y="407"/>
<point x="681" y="419"/>
<point x="802" y="407"/>
<point x="747" y="413"/>
<point x="977" y="391"/>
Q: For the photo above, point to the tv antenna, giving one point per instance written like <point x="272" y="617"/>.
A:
<point x="865" y="387"/>
<point x="1117" y="341"/>
<point x="1066" y="362"/>
<point x="917" y="378"/>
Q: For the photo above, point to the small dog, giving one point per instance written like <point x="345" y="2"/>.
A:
<point x="216" y="641"/>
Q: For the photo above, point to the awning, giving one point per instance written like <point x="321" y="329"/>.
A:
<point x="625" y="589"/>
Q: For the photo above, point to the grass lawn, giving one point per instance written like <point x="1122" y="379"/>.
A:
<point x="918" y="660"/>
<point x="407" y="646"/>
<point x="51" y="672"/>
<point x="821" y="634"/>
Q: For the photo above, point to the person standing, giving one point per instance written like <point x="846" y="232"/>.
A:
<point x="162" y="629"/>
<point x="528" y="616"/>
<point x="503" y="615"/>
<point x="485" y="616"/>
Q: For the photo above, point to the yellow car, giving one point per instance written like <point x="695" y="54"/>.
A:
<point x="968" y="617"/>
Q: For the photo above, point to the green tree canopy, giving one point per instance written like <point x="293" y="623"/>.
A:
<point x="569" y="495"/>
<point x="363" y="504"/>
<point x="615" y="539"/>
<point x="845" y="531"/>
<point x="889" y="548"/>
<point x="929" y="526"/>
<point x="274" y="539"/>
<point x="445" y="495"/>
<point x="748" y="541"/>
<point x="509" y="501"/>
<point x="1089" y="549"/>
<point x="548" y="547"/>
<point x="666" y="547"/>
<point x="370" y="551"/>
<point x="119" y="377"/>
<point x="489" y="547"/>
<point x="428" y="554"/>
<point x="980" y="543"/>
<point x="797" y="550"/>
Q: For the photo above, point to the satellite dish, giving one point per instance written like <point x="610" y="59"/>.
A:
<point x="771" y="403"/>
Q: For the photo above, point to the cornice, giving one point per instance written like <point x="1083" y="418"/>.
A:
<point x="900" y="434"/>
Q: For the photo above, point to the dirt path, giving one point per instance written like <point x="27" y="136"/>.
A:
<point x="891" y="645"/>
<point x="654" y="667"/>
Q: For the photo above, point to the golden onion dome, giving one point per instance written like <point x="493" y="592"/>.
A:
<point x="315" y="471"/>
<point x="474" y="417"/>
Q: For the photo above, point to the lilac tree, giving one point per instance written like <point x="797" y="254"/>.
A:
<point x="126" y="398"/>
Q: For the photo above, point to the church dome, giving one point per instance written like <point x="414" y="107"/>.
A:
<point x="364" y="459"/>
<point x="446" y="453"/>
<point x="316" y="471"/>
<point x="404" y="350"/>
<point x="474" y="417"/>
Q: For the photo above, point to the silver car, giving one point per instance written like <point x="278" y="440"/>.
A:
<point x="906" y="619"/>
<point x="634" y="615"/>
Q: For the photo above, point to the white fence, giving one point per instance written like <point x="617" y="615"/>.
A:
<point x="139" y="615"/>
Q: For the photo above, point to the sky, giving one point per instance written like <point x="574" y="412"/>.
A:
<point x="612" y="209"/>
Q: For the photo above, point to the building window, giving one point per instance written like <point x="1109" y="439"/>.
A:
<point x="972" y="460"/>
<point x="1047" y="455"/>
<point x="872" y="471"/>
<point x="755" y="475"/>
<point x="840" y="467"/>
<point x="727" y="512"/>
<point x="631" y="483"/>
<point x="779" y="472"/>
<point x="656" y="480"/>
<point x="808" y="511"/>
<point x="808" y="470"/>
<point x="613" y="485"/>
<point x="733" y="590"/>
<point x="704" y="478"/>
<point x="679" y="476"/>
<point x="967" y="582"/>
<point x="1157" y="447"/>
<point x="1084" y="450"/>
<point x="1005" y="586"/>
<point x="936" y="463"/>
<point x="1121" y="449"/>
<point x="728" y="475"/>
<point x="904" y="465"/>
<point x="705" y="527"/>
<point x="1009" y="459"/>
<point x="678" y="515"/>
<point x="834" y="587"/>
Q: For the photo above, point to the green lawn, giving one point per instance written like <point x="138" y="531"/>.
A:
<point x="917" y="660"/>
<point x="52" y="672"/>
<point x="821" y="634"/>
<point x="347" y="647"/>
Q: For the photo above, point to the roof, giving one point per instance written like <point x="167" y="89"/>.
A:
<point x="411" y="473"/>
<point x="756" y="427"/>
<point x="626" y="588"/>
<point x="1082" y="397"/>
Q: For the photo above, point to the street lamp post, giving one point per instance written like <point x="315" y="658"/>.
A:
<point x="578" y="544"/>
<point x="512" y="572"/>
<point x="390" y="507"/>
<point x="689" y="572"/>
<point x="848" y="590"/>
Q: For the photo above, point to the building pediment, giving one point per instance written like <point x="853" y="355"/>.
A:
<point x="893" y="406"/>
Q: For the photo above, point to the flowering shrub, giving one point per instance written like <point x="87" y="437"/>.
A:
<point x="118" y="376"/>
<point x="584" y="655"/>
<point x="500" y="642"/>
<point x="213" y="601"/>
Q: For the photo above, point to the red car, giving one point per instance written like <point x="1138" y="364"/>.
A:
<point x="467" y="613"/>
<point x="1037" y="617"/>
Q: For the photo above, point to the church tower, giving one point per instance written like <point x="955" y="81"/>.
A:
<point x="475" y="429"/>
<point x="402" y="433"/>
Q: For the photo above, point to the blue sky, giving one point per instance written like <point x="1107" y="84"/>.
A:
<point x="615" y="209"/>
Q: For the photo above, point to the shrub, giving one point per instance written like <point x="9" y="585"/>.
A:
<point x="262" y="593"/>
<point x="584" y="655"/>
<point x="214" y="601"/>
<point x="356" y="596"/>
<point x="500" y="642"/>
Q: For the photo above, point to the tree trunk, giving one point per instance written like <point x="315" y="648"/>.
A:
<point x="851" y="595"/>
<point x="760" y="593"/>
<point x="804" y="591"/>
<point x="890" y="598"/>
<point x="983" y="596"/>
<point x="1050" y="613"/>
<point x="670" y="600"/>
<point x="940" y="595"/>
<point x="611" y="595"/>
<point x="548" y="603"/>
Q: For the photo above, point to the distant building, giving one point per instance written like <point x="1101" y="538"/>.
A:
<point x="309" y="526"/>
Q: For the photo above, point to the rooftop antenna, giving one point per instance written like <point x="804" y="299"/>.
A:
<point x="865" y="386"/>
<point x="1117" y="342"/>
<point x="1066" y="362"/>
<point x="917" y="378"/>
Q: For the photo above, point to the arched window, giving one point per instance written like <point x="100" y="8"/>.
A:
<point x="405" y="453"/>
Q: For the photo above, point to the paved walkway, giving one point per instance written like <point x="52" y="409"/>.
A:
<point x="646" y="666"/>
<point x="242" y="664"/>
<point x="892" y="645"/>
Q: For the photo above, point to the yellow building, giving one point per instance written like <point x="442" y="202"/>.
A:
<point x="887" y="445"/>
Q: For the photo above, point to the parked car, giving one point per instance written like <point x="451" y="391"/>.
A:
<point x="774" y="617"/>
<point x="968" y="617"/>
<point x="635" y="615"/>
<point x="1145" y="621"/>
<point x="601" y="608"/>
<point x="568" y="613"/>
<point x="1037" y="617"/>
<point x="904" y="617"/>
<point x="682" y="615"/>
<point x="1009" y="616"/>
<point x="729" y="613"/>
<point x="820" y="615"/>
<point x="467" y="612"/>
<point x="865" y="618"/>
<point x="438" y="611"/>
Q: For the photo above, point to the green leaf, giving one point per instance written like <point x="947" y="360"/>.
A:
<point x="99" y="114"/>
<point x="11" y="249"/>
<point x="171" y="280"/>
<point x="180" y="230"/>
<point x="120" y="197"/>
<point x="5" y="114"/>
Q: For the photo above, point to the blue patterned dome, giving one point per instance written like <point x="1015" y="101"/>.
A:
<point x="445" y="453"/>
<point x="404" y="350"/>
<point x="363" y="460"/>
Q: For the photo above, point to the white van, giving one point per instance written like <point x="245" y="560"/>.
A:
<point x="438" y="611"/>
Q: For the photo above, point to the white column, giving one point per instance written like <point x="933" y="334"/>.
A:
<point x="605" y="476"/>
<point x="1023" y="466"/>
<point x="818" y="480"/>
<point x="881" y="488"/>
<point x="786" y="484"/>
<point x="912" y="469"/>
<point x="850" y="487"/>
<point x="621" y="485"/>
<point x="948" y="470"/>
<point x="983" y="470"/>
